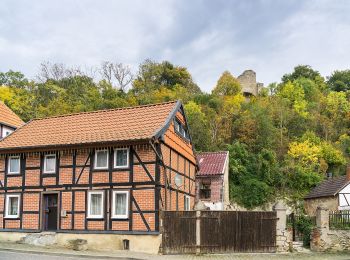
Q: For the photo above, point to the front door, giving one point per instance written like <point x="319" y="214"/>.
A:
<point x="50" y="211"/>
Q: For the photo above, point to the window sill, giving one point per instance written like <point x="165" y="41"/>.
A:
<point x="119" y="218"/>
<point x="100" y="168"/>
<point x="12" y="218"/>
<point x="182" y="137"/>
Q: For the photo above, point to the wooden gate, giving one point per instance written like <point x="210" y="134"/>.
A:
<point x="219" y="232"/>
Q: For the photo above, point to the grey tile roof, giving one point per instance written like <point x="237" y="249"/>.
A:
<point x="327" y="188"/>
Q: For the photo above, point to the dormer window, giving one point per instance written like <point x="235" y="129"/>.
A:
<point x="180" y="129"/>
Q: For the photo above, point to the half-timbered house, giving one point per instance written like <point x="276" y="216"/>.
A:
<point x="109" y="171"/>
<point x="9" y="121"/>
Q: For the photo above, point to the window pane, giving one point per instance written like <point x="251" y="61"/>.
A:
<point x="13" y="206"/>
<point x="122" y="157"/>
<point x="50" y="163"/>
<point x="101" y="160"/>
<point x="14" y="164"/>
<point x="96" y="204"/>
<point x="120" y="204"/>
<point x="187" y="203"/>
<point x="177" y="126"/>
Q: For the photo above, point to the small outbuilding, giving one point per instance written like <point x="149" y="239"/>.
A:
<point x="333" y="193"/>
<point x="212" y="185"/>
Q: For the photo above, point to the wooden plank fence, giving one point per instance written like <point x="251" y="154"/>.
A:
<point x="218" y="231"/>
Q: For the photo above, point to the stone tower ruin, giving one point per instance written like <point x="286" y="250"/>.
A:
<point x="248" y="83"/>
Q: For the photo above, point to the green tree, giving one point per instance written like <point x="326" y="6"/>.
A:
<point x="198" y="125"/>
<point x="227" y="85"/>
<point x="13" y="79"/>
<point x="302" y="71"/>
<point x="339" y="80"/>
<point x="253" y="176"/>
<point x="160" y="79"/>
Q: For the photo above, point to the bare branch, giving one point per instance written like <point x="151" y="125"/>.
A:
<point x="106" y="71"/>
<point x="123" y="75"/>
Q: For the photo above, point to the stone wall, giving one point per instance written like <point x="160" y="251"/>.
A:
<point x="311" y="205"/>
<point x="324" y="239"/>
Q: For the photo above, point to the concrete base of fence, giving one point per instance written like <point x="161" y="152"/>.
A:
<point x="324" y="239"/>
<point x="101" y="242"/>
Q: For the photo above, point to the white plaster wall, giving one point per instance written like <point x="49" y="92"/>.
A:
<point x="214" y="206"/>
<point x="344" y="198"/>
<point x="6" y="129"/>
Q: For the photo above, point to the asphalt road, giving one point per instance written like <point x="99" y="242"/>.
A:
<point x="11" y="255"/>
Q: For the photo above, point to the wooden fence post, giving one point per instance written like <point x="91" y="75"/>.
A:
<point x="198" y="232"/>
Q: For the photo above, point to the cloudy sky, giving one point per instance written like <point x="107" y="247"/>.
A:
<point x="206" y="36"/>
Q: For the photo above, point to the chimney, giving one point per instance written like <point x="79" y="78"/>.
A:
<point x="348" y="172"/>
<point x="329" y="175"/>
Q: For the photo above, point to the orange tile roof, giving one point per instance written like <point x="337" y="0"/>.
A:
<point x="8" y="117"/>
<point x="98" y="127"/>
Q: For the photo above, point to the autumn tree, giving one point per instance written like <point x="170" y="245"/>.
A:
<point x="227" y="85"/>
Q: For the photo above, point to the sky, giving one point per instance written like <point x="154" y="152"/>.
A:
<point x="208" y="37"/>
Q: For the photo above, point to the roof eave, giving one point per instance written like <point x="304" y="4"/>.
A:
<point x="208" y="175"/>
<point x="9" y="125"/>
<point x="160" y="131"/>
<point x="317" y="197"/>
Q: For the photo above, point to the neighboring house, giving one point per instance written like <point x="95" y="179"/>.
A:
<point x="9" y="121"/>
<point x="212" y="180"/>
<point x="108" y="171"/>
<point x="333" y="193"/>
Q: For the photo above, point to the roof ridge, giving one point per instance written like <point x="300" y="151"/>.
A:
<point x="213" y="152"/>
<point x="104" y="110"/>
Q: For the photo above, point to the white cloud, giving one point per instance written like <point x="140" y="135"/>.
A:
<point x="208" y="37"/>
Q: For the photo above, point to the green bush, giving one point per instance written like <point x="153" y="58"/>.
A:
<point x="304" y="225"/>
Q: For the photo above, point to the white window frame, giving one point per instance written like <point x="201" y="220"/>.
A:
<point x="127" y="159"/>
<point x="89" y="204"/>
<point x="9" y="164"/>
<point x="45" y="157"/>
<point x="189" y="203"/>
<point x="8" y="196"/>
<point x="114" y="213"/>
<point x="95" y="161"/>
